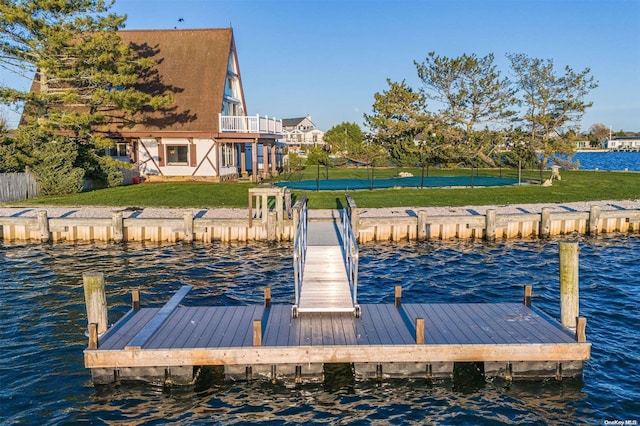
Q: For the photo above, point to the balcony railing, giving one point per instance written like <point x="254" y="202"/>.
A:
<point x="249" y="124"/>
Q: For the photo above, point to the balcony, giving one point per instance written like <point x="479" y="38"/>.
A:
<point x="249" y="124"/>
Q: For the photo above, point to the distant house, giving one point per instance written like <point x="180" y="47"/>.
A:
<point x="623" y="143"/>
<point x="207" y="132"/>
<point x="300" y="132"/>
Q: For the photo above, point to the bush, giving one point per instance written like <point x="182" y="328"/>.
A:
<point x="55" y="171"/>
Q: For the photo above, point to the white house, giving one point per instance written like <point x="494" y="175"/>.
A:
<point x="301" y="132"/>
<point x="623" y="143"/>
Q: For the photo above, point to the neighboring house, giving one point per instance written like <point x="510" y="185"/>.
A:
<point x="300" y="132"/>
<point x="206" y="133"/>
<point x="623" y="143"/>
<point x="583" y="144"/>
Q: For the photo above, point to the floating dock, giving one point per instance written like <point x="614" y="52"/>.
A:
<point x="296" y="342"/>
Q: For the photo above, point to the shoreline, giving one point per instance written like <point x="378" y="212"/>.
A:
<point x="242" y="213"/>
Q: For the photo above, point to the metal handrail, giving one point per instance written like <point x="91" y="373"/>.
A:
<point x="351" y="251"/>
<point x="300" y="251"/>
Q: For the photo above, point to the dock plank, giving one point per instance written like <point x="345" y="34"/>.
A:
<point x="216" y="327"/>
<point x="164" y="337"/>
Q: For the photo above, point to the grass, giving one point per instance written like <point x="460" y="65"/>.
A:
<point x="574" y="186"/>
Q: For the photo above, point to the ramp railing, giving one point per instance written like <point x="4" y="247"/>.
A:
<point x="351" y="253"/>
<point x="299" y="250"/>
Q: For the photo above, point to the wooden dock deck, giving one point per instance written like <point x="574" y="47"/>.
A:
<point x="424" y="340"/>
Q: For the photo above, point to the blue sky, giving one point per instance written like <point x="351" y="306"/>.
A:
<point x="327" y="58"/>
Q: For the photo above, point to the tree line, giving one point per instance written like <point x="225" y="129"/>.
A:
<point x="466" y="112"/>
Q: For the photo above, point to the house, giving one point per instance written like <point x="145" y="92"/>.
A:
<point x="301" y="132"/>
<point x="207" y="133"/>
<point x="623" y="143"/>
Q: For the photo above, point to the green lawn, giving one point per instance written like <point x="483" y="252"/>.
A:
<point x="574" y="186"/>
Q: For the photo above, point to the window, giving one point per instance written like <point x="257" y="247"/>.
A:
<point x="178" y="154"/>
<point x="121" y="150"/>
<point x="227" y="155"/>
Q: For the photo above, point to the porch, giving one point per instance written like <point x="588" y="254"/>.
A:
<point x="249" y="124"/>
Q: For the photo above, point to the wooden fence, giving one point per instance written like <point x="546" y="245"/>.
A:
<point x="17" y="186"/>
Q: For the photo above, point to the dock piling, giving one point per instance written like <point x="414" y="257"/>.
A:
<point x="188" y="227"/>
<point x="545" y="222"/>
<point x="267" y="297"/>
<point x="95" y="299"/>
<point x="43" y="226"/>
<point x="594" y="220"/>
<point x="135" y="300"/>
<point x="490" y="226"/>
<point x="257" y="333"/>
<point x="93" y="336"/>
<point x="419" y="331"/>
<point x="398" y="296"/>
<point x="581" y="329"/>
<point x="569" y="300"/>
<point x="527" y="295"/>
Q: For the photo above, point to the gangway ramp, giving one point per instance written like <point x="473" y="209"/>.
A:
<point x="325" y="284"/>
<point x="325" y="265"/>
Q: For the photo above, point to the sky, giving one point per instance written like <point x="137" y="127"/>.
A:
<point x="327" y="58"/>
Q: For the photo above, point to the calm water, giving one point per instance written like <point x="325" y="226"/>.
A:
<point x="608" y="160"/>
<point x="42" y="321"/>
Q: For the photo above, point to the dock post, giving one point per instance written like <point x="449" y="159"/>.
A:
<point x="188" y="226"/>
<point x="527" y="295"/>
<point x="271" y="225"/>
<point x="398" y="296"/>
<point x="422" y="226"/>
<point x="267" y="297"/>
<point x="490" y="225"/>
<point x="96" y="299"/>
<point x="581" y="329"/>
<point x="250" y="209"/>
<point x="545" y="222"/>
<point x="594" y="220"/>
<point x="93" y="336"/>
<point x="135" y="300"/>
<point x="569" y="301"/>
<point x="118" y="227"/>
<point x="419" y="331"/>
<point x="257" y="333"/>
<point x="43" y="226"/>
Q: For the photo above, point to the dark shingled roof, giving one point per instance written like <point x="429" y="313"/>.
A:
<point x="192" y="66"/>
<point x="292" y="122"/>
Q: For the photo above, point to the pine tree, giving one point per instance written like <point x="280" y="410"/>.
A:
<point x="83" y="75"/>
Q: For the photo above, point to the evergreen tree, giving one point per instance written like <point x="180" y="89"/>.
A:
<point x="553" y="103"/>
<point x="83" y="75"/>
<point x="472" y="93"/>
